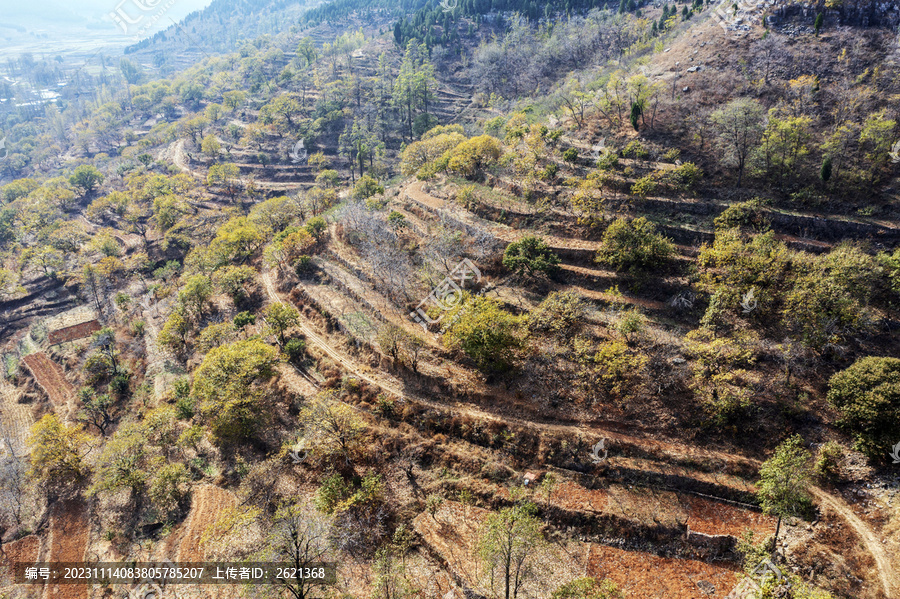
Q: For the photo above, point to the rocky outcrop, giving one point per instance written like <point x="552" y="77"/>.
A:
<point x="857" y="13"/>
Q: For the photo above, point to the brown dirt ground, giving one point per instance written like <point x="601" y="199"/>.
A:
<point x="207" y="504"/>
<point x="50" y="377"/>
<point x="69" y="532"/>
<point x="648" y="576"/>
<point x="25" y="550"/>
<point x="452" y="535"/>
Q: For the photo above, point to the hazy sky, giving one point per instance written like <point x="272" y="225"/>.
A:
<point x="62" y="27"/>
<point x="31" y="13"/>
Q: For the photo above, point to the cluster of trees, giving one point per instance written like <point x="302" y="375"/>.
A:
<point x="821" y="300"/>
<point x="445" y="148"/>
<point x="136" y="459"/>
<point x="524" y="59"/>
<point x="867" y="396"/>
<point x="780" y="145"/>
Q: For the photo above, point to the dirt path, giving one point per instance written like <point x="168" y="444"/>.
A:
<point x="885" y="567"/>
<point x="872" y="541"/>
<point x="177" y="154"/>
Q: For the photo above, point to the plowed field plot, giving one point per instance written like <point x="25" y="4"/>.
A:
<point x="25" y="551"/>
<point x="50" y="378"/>
<point x="649" y="576"/>
<point x="206" y="508"/>
<point x="575" y="497"/>
<point x="69" y="533"/>
<point x="664" y="507"/>
<point x="71" y="333"/>
<point x="715" y="518"/>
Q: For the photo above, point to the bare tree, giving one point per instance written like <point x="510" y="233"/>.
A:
<point x="740" y="125"/>
<point x="300" y="536"/>
<point x="13" y="487"/>
<point x="769" y="52"/>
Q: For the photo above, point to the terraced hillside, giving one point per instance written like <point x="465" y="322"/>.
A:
<point x="606" y="308"/>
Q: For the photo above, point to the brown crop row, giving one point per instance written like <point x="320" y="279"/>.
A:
<point x="50" y="378"/>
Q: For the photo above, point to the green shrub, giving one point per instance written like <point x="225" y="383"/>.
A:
<point x="549" y="172"/>
<point x="634" y="246"/>
<point x="588" y="588"/>
<point x="635" y="149"/>
<point x="385" y="406"/>
<point x="120" y="384"/>
<point x="828" y="460"/>
<point x="184" y="407"/>
<point x="685" y="177"/>
<point x="608" y="161"/>
<point x="867" y="394"/>
<point x="295" y="349"/>
<point x="333" y="490"/>
<point x="304" y="265"/>
<point x="559" y="314"/>
<point x="530" y="255"/>
<point x="745" y="215"/>
<point x="242" y="319"/>
<point x="366" y="187"/>
<point x="484" y="332"/>
<point x="645" y="186"/>
<point x="467" y="197"/>
<point x="671" y="155"/>
<point x="631" y="325"/>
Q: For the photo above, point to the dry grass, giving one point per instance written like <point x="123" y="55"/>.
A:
<point x="15" y="418"/>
